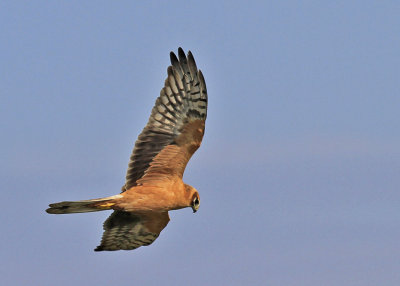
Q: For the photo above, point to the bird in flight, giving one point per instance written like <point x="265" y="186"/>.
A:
<point x="153" y="184"/>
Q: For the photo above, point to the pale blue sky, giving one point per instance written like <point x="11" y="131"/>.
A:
<point x="299" y="168"/>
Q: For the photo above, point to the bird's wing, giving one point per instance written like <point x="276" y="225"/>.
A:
<point x="127" y="231"/>
<point x="175" y="127"/>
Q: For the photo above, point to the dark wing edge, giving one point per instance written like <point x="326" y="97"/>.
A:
<point x="182" y="100"/>
<point x="127" y="230"/>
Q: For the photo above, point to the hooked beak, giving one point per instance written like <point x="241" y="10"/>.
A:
<point x="194" y="210"/>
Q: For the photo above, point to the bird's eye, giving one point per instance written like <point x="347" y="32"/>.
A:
<point x="196" y="202"/>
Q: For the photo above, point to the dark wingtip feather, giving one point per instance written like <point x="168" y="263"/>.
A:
<point x="202" y="81"/>
<point x="182" y="56"/>
<point x="173" y="58"/>
<point x="181" y="52"/>
<point x="190" y="57"/>
<point x="192" y="64"/>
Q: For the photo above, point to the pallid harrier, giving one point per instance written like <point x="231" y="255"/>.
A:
<point x="154" y="183"/>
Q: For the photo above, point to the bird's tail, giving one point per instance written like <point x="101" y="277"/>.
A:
<point x="83" y="206"/>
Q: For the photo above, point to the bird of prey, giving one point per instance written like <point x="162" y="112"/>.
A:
<point x="154" y="183"/>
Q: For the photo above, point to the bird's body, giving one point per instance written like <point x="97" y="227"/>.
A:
<point x="159" y="196"/>
<point x="154" y="183"/>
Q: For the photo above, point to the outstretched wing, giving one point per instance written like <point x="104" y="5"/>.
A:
<point x="175" y="127"/>
<point x="127" y="231"/>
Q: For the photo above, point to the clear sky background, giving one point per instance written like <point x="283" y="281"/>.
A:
<point x="299" y="168"/>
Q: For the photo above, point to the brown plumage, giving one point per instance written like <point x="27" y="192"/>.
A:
<point x="154" y="183"/>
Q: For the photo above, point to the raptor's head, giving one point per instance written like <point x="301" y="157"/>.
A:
<point x="194" y="198"/>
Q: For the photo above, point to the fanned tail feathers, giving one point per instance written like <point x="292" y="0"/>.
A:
<point x="84" y="206"/>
